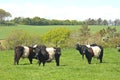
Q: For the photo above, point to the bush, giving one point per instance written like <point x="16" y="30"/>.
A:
<point x="9" y="24"/>
<point x="21" y="37"/>
<point x="56" y="37"/>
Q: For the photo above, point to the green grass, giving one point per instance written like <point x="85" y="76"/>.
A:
<point x="5" y="30"/>
<point x="72" y="67"/>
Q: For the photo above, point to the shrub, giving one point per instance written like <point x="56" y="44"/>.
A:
<point x="21" y="37"/>
<point x="56" y="36"/>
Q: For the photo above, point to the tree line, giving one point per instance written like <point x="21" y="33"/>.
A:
<point x="43" y="21"/>
<point x="4" y="19"/>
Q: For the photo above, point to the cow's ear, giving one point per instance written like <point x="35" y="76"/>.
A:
<point x="35" y="46"/>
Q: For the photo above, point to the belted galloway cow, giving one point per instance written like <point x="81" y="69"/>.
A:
<point x="45" y="54"/>
<point x="90" y="51"/>
<point x="23" y="52"/>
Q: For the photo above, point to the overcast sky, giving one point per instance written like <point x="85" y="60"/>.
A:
<point x="63" y="9"/>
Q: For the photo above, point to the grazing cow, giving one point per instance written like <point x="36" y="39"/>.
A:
<point x="24" y="52"/>
<point x="90" y="51"/>
<point x="49" y="54"/>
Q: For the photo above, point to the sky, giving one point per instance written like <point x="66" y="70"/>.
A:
<point x="63" y="9"/>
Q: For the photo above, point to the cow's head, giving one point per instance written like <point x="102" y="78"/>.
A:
<point x="77" y="46"/>
<point x="40" y="49"/>
<point x="81" y="49"/>
<point x="57" y="50"/>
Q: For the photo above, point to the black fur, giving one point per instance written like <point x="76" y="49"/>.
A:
<point x="88" y="52"/>
<point x="57" y="56"/>
<point x="19" y="51"/>
<point x="42" y="55"/>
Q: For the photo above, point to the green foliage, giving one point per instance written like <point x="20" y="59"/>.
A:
<point x="84" y="30"/>
<point x="94" y="35"/>
<point x="81" y="35"/>
<point x="72" y="67"/>
<point x="3" y="15"/>
<point x="110" y="37"/>
<point x="42" y="21"/>
<point x="21" y="37"/>
<point x="8" y="23"/>
<point x="56" y="36"/>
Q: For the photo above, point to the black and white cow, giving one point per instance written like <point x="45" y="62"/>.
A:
<point x="90" y="51"/>
<point x="47" y="54"/>
<point x="23" y="52"/>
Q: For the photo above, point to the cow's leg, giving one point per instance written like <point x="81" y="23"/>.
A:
<point x="39" y="62"/>
<point x="43" y="63"/>
<point x="89" y="58"/>
<point x="100" y="57"/>
<point x="30" y="59"/>
<point x="57" y="59"/>
<point x="101" y="54"/>
<point x="17" y="62"/>
<point x="17" y="58"/>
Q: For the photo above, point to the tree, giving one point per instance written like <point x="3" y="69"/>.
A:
<point x="85" y="31"/>
<point x="91" y="21"/>
<point x="105" y="22"/>
<point x="4" y="15"/>
<point x="117" y="22"/>
<point x="36" y="20"/>
<point x="18" y="20"/>
<point x="56" y="36"/>
<point x="26" y="21"/>
<point x="99" y="21"/>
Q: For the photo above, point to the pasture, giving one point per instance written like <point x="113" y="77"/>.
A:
<point x="72" y="67"/>
<point x="5" y="30"/>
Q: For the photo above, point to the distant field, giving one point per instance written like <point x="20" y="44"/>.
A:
<point x="4" y="30"/>
<point x="72" y="67"/>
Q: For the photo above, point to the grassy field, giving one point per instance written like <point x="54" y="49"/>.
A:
<point x="72" y="67"/>
<point x="5" y="30"/>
